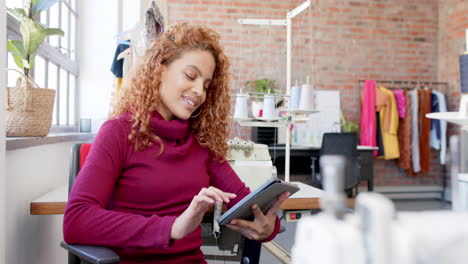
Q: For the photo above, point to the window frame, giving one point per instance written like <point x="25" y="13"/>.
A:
<point x="52" y="55"/>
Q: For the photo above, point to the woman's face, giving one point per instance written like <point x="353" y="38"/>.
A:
<point x="185" y="83"/>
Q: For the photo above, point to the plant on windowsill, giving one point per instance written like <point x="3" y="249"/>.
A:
<point x="260" y="86"/>
<point x="29" y="108"/>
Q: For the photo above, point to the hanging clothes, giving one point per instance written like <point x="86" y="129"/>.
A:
<point x="381" y="151"/>
<point x="154" y="22"/>
<point x="425" y="127"/>
<point x="400" y="101"/>
<point x="415" y="157"/>
<point x="438" y="134"/>
<point x="116" y="67"/>
<point x="389" y="113"/>
<point x="382" y="100"/>
<point x="368" y="122"/>
<point x="404" y="136"/>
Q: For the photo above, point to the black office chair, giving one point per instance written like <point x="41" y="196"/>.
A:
<point x="344" y="144"/>
<point x="246" y="251"/>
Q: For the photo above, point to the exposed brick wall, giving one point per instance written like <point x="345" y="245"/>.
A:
<point x="347" y="40"/>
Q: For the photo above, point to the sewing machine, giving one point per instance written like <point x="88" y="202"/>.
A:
<point x="252" y="162"/>
<point x="375" y="233"/>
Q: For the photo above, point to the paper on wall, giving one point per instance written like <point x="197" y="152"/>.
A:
<point x="327" y="102"/>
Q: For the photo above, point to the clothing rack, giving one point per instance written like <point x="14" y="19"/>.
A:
<point x="402" y="82"/>
<point x="413" y="85"/>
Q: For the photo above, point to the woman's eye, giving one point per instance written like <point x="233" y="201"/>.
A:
<point x="190" y="77"/>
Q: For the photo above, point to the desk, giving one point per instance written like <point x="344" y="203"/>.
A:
<point x="366" y="158"/>
<point x="54" y="202"/>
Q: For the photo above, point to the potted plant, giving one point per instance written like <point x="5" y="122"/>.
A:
<point x="262" y="86"/>
<point x="348" y="126"/>
<point x="29" y="108"/>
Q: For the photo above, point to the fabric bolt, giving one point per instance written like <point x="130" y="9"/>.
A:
<point x="368" y="123"/>
<point x="128" y="200"/>
<point x="382" y="100"/>
<point x="415" y="157"/>
<point x="425" y="126"/>
<point x="404" y="137"/>
<point x="443" y="126"/>
<point x="400" y="101"/>
<point x="390" y="135"/>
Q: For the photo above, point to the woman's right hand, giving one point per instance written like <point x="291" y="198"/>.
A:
<point x="191" y="218"/>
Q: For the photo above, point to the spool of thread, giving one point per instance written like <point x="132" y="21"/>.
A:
<point x="295" y="97"/>
<point x="464" y="73"/>
<point x="268" y="106"/>
<point x="240" y="109"/>
<point x="307" y="98"/>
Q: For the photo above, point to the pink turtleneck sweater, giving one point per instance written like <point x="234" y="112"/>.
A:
<point x="128" y="200"/>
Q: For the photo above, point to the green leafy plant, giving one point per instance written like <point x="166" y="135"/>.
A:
<point x="33" y="34"/>
<point x="348" y="126"/>
<point x="261" y="86"/>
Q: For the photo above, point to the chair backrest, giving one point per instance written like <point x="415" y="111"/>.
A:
<point x="78" y="156"/>
<point x="344" y="144"/>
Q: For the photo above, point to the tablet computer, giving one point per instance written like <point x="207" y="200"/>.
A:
<point x="264" y="196"/>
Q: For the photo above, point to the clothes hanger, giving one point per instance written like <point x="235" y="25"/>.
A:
<point x="125" y="36"/>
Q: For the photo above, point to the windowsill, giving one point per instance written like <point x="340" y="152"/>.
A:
<point x="13" y="143"/>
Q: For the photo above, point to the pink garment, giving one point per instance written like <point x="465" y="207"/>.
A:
<point x="368" y="125"/>
<point x="401" y="102"/>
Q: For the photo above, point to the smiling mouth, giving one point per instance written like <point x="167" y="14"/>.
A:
<point x="190" y="102"/>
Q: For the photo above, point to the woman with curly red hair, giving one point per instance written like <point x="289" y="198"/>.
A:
<point x="159" y="164"/>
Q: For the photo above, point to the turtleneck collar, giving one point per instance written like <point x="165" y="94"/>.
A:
<point x="176" y="129"/>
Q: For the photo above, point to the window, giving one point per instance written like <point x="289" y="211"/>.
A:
<point x="56" y="65"/>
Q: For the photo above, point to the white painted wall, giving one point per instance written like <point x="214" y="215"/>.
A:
<point x="3" y="188"/>
<point x="97" y="29"/>
<point x="32" y="172"/>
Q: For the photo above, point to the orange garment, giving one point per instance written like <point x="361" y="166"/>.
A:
<point x="382" y="100"/>
<point x="424" y="97"/>
<point x="404" y="138"/>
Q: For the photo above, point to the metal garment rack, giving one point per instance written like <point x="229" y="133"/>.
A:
<point x="400" y="84"/>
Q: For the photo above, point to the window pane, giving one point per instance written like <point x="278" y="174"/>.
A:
<point x="40" y="71"/>
<point x="43" y="18"/>
<point x="63" y="98"/>
<point x="12" y="75"/>
<point x="54" y="23"/>
<point x="14" y="3"/>
<point x="64" y="40"/>
<point x="73" y="4"/>
<point x="72" y="96"/>
<point x="73" y="37"/>
<point x="53" y="85"/>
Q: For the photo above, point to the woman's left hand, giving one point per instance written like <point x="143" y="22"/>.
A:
<point x="263" y="225"/>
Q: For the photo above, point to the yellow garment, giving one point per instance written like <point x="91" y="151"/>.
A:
<point x="390" y="136"/>
<point x="117" y="88"/>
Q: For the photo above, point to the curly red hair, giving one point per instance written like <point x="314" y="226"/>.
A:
<point x="141" y="96"/>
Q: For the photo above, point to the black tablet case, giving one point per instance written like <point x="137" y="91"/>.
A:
<point x="264" y="196"/>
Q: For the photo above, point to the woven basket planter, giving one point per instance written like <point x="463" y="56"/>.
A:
<point x="29" y="109"/>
